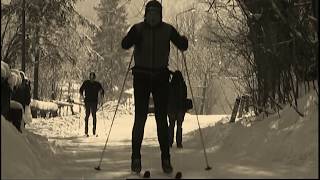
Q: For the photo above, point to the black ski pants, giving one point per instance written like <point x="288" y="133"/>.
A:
<point x="173" y="118"/>
<point x="158" y="85"/>
<point x="91" y="107"/>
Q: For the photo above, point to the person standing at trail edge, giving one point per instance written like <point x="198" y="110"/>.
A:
<point x="177" y="107"/>
<point x="91" y="89"/>
<point x="151" y="40"/>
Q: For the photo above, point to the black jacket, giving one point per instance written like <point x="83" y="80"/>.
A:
<point x="177" y="97"/>
<point x="22" y="93"/>
<point x="91" y="89"/>
<point x="152" y="44"/>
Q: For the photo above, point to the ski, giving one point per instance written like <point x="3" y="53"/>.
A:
<point x="178" y="175"/>
<point x="147" y="175"/>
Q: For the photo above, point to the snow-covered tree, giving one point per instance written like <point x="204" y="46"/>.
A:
<point x="277" y="40"/>
<point x="54" y="39"/>
<point x="110" y="67"/>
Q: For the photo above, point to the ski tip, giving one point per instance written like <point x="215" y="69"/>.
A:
<point x="178" y="175"/>
<point x="146" y="174"/>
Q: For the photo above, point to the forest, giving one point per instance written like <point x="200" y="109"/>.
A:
<point x="268" y="49"/>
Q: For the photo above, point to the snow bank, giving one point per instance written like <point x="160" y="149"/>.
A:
<point x="14" y="78"/>
<point x="288" y="139"/>
<point x="44" y="105"/>
<point x="5" y="70"/>
<point x="23" y="75"/>
<point x="25" y="155"/>
<point x="66" y="126"/>
<point x="15" y="105"/>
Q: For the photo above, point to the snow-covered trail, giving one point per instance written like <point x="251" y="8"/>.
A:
<point x="81" y="154"/>
<point x="283" y="145"/>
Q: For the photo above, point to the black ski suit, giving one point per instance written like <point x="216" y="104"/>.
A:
<point x="151" y="75"/>
<point x="91" y="89"/>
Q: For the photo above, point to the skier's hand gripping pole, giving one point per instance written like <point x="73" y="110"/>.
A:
<point x="195" y="107"/>
<point x="115" y="112"/>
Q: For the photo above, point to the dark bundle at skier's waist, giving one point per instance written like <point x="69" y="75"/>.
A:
<point x="150" y="71"/>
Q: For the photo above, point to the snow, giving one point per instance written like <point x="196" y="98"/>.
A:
<point x="5" y="70"/>
<point x="14" y="78"/>
<point x="270" y="147"/>
<point x="23" y="75"/>
<point x="44" y="105"/>
<point x="129" y="91"/>
<point x="24" y="155"/>
<point x="15" y="105"/>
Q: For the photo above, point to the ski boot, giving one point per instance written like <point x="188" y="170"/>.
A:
<point x="179" y="146"/>
<point x="166" y="166"/>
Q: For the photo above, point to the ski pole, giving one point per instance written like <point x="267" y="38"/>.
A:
<point x="105" y="145"/>
<point x="195" y="107"/>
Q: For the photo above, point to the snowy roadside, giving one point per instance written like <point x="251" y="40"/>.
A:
<point x="26" y="155"/>
<point x="282" y="147"/>
<point x="73" y="126"/>
<point x="270" y="147"/>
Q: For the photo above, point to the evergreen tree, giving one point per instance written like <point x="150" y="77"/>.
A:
<point x="110" y="67"/>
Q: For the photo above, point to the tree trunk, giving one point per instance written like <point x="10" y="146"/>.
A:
<point x="69" y="88"/>
<point x="36" y="76"/>
<point x="36" y="64"/>
<point x="23" y="29"/>
<point x="315" y="9"/>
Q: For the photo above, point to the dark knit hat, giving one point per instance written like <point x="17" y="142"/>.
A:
<point x="153" y="4"/>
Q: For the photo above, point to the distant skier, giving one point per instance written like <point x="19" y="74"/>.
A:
<point x="151" y="40"/>
<point x="177" y="106"/>
<point x="91" y="88"/>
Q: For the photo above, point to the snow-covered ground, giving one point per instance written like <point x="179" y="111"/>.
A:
<point x="260" y="147"/>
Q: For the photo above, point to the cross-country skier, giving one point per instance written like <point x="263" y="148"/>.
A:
<point x="91" y="88"/>
<point x="151" y="40"/>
